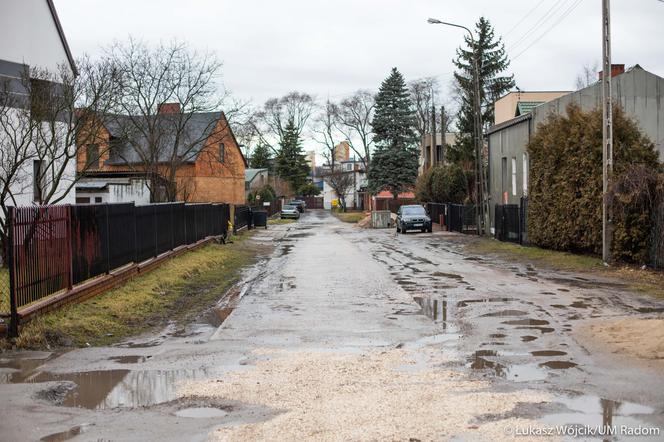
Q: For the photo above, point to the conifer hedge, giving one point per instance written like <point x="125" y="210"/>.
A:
<point x="565" y="198"/>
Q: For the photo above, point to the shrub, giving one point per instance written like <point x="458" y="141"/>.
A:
<point x="266" y="193"/>
<point x="565" y="201"/>
<point x="309" y="189"/>
<point x="442" y="184"/>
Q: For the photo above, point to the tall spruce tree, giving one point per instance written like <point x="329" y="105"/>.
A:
<point x="260" y="159"/>
<point x="493" y="62"/>
<point x="395" y="160"/>
<point x="292" y="165"/>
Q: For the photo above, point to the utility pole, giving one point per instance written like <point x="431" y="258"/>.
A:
<point x="607" y="132"/>
<point x="434" y="149"/>
<point x="443" y="130"/>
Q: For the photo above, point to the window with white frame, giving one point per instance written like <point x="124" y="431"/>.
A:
<point x="525" y="174"/>
<point x="514" y="176"/>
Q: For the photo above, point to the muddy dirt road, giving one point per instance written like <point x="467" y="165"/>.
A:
<point x="351" y="334"/>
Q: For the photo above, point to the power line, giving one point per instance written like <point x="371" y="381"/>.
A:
<point x="567" y="12"/>
<point x="525" y="17"/>
<point x="548" y="15"/>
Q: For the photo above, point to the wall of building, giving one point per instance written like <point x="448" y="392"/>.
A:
<point x="638" y="92"/>
<point x="28" y="35"/>
<point x="508" y="164"/>
<point x="505" y="107"/>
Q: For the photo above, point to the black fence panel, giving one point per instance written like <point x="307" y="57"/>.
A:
<point x="524" y="220"/>
<point x="225" y="218"/>
<point x="146" y="237"/>
<point x="508" y="222"/>
<point x="89" y="241"/>
<point x="435" y="211"/>
<point x="163" y="227"/>
<point x="199" y="221"/>
<point x="469" y="218"/>
<point x="190" y="224"/>
<point x="179" y="225"/>
<point x="242" y="217"/>
<point x="121" y="234"/>
<point x="454" y="218"/>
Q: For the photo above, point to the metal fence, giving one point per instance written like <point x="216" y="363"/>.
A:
<point x="242" y="218"/>
<point x="454" y="217"/>
<point x="508" y="222"/>
<point x="313" y="202"/>
<point x="51" y="248"/>
<point x="272" y="208"/>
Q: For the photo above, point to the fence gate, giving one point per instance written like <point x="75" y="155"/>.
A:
<point x="508" y="222"/>
<point x="40" y="255"/>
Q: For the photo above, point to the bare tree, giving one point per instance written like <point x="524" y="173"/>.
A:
<point x="42" y="115"/>
<point x="422" y="94"/>
<point x="341" y="182"/>
<point x="271" y="121"/>
<point x="588" y="75"/>
<point x="325" y="131"/>
<point x="161" y="140"/>
<point x="353" y="120"/>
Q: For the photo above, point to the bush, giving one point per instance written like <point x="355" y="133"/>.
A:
<point x="442" y="184"/>
<point x="565" y="201"/>
<point x="266" y="193"/>
<point x="309" y="189"/>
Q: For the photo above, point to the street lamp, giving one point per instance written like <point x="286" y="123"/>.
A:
<point x="479" y="172"/>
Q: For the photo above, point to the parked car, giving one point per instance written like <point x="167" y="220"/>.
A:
<point x="290" y="211"/>
<point x="301" y="205"/>
<point x="413" y="217"/>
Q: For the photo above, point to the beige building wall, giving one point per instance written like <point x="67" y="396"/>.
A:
<point x="505" y="107"/>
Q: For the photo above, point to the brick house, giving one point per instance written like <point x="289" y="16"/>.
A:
<point x="209" y="166"/>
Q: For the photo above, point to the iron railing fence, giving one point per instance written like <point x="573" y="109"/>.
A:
<point x="508" y="222"/>
<point x="242" y="218"/>
<point x="54" y="247"/>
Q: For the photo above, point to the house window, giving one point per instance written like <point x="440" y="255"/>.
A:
<point x="514" y="176"/>
<point x="37" y="187"/>
<point x="222" y="152"/>
<point x="92" y="156"/>
<point x="41" y="99"/>
<point x="82" y="200"/>
<point x="349" y="167"/>
<point x="97" y="199"/>
<point x="525" y="174"/>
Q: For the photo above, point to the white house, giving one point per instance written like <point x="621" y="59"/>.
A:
<point x="31" y="36"/>
<point x="354" y="196"/>
<point x="123" y="189"/>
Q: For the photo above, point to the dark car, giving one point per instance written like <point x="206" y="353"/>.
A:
<point x="413" y="218"/>
<point x="301" y="205"/>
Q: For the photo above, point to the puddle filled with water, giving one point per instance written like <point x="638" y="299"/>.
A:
<point x="558" y="365"/>
<point x="104" y="389"/>
<point x="548" y="353"/>
<point x="201" y="412"/>
<point x="67" y="434"/>
<point x="504" y="313"/>
<point x="587" y="410"/>
<point x="131" y="359"/>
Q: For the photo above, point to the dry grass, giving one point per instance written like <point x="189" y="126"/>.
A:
<point x="277" y="221"/>
<point x="4" y="291"/>
<point x="646" y="281"/>
<point x="350" y="217"/>
<point x="178" y="290"/>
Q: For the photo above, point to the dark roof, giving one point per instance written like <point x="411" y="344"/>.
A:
<point x="508" y="123"/>
<point x="61" y="33"/>
<point x="198" y="127"/>
<point x="524" y="107"/>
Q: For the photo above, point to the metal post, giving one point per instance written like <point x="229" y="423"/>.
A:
<point x="607" y="132"/>
<point x="13" y="323"/>
<point x="434" y="148"/>
<point x="442" y="134"/>
<point x="108" y="243"/>
<point x="479" y="182"/>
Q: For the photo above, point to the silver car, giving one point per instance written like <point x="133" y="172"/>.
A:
<point x="290" y="211"/>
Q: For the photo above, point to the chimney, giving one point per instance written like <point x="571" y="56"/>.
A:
<point x="616" y="69"/>
<point x="169" y="108"/>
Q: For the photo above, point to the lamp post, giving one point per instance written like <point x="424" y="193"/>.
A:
<point x="479" y="172"/>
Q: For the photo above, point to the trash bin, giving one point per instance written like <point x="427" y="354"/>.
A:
<point x="260" y="218"/>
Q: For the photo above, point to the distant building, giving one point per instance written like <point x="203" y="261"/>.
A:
<point x="342" y="151"/>
<point x="516" y="103"/>
<point x="355" y="195"/>
<point x="429" y="156"/>
<point x="640" y="94"/>
<point x="213" y="170"/>
<point x="254" y="179"/>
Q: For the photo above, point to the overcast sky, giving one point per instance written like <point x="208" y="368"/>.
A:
<point x="333" y="47"/>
